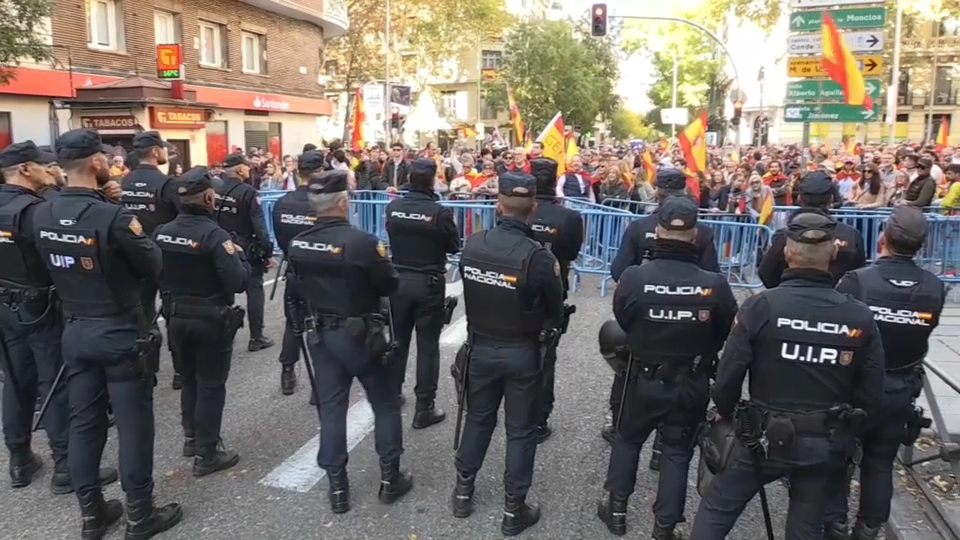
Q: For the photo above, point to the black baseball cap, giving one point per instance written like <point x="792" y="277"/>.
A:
<point x="24" y="152"/>
<point x="811" y="228"/>
<point x="671" y="178"/>
<point x="514" y="184"/>
<point x="333" y="181"/>
<point x="235" y="159"/>
<point x="815" y="183"/>
<point x="907" y="227"/>
<point x="196" y="180"/>
<point x="677" y="214"/>
<point x="149" y="139"/>
<point x="311" y="161"/>
<point x="79" y="144"/>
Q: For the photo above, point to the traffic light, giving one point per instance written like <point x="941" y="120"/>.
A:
<point x="599" y="28"/>
<point x="737" y="112"/>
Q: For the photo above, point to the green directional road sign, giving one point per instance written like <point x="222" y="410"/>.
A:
<point x="829" y="112"/>
<point x="826" y="91"/>
<point x="846" y="19"/>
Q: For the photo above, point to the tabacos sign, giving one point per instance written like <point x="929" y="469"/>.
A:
<point x="260" y="102"/>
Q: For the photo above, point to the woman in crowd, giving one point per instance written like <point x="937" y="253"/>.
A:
<point x="899" y="188"/>
<point x="271" y="179"/>
<point x="613" y="186"/>
<point x="489" y="186"/>
<point x="869" y="192"/>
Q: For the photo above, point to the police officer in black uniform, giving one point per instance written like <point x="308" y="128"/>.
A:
<point x="816" y="367"/>
<point x="202" y="270"/>
<point x="677" y="317"/>
<point x="97" y="255"/>
<point x="240" y="213"/>
<point x="292" y="215"/>
<point x="422" y="233"/>
<point x="343" y="273"/>
<point x="816" y="196"/>
<point x="906" y="302"/>
<point x="30" y="324"/>
<point x="560" y="230"/>
<point x="512" y="293"/>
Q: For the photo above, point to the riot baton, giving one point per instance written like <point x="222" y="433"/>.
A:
<point x="623" y="393"/>
<point x="46" y="401"/>
<point x="462" y="392"/>
<point x="281" y="268"/>
<point x="302" y="338"/>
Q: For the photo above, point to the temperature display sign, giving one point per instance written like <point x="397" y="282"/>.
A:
<point x="170" y="61"/>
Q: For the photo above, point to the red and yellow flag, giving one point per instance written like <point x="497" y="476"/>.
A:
<point x="943" y="137"/>
<point x="518" y="131"/>
<point x="766" y="209"/>
<point x="841" y="66"/>
<point x="359" y="119"/>
<point x="651" y="171"/>
<point x="693" y="142"/>
<point x="850" y="146"/>
<point x="554" y="143"/>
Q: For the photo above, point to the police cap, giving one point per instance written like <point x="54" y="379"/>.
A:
<point x="423" y="170"/>
<point x="544" y="170"/>
<point x="333" y="181"/>
<point x="24" y="152"/>
<point x="196" y="180"/>
<point x="79" y="144"/>
<point x="671" y="178"/>
<point x="811" y="228"/>
<point x="310" y="161"/>
<point x="48" y="154"/>
<point x="907" y="227"/>
<point x="517" y="184"/>
<point x="235" y="159"/>
<point x="677" y="214"/>
<point x="149" y="139"/>
<point x="815" y="183"/>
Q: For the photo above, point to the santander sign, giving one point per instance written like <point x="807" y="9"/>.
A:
<point x="270" y="103"/>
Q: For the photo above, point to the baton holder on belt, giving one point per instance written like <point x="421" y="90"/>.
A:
<point x="462" y="390"/>
<point x="752" y="437"/>
<point x="299" y="324"/>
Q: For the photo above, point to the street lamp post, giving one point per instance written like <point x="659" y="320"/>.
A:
<point x="388" y="91"/>
<point x="893" y="91"/>
<point x="673" y="96"/>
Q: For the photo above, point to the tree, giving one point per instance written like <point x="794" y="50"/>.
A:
<point x="626" y="124"/>
<point x="23" y="35"/>
<point x="555" y="66"/>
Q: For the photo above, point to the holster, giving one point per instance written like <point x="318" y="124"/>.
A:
<point x="449" y="305"/>
<point x="378" y="341"/>
<point x="258" y="251"/>
<point x="459" y="369"/>
<point x="148" y="354"/>
<point x="549" y="339"/>
<point x="915" y="425"/>
<point x="233" y="317"/>
<point x="568" y="310"/>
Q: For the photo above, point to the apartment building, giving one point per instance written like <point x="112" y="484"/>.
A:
<point x="252" y="74"/>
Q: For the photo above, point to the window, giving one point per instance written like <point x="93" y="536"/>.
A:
<point x="6" y="130"/>
<point x="254" y="51"/>
<point x="487" y="110"/>
<point x="491" y="59"/>
<point x="212" y="45"/>
<point x="166" y="27"/>
<point x="105" y="32"/>
<point x="448" y="103"/>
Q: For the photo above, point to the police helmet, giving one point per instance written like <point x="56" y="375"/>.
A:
<point x="613" y="345"/>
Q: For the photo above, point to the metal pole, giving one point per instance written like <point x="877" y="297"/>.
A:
<point x="933" y="92"/>
<point x="388" y="91"/>
<point x="893" y="92"/>
<point x="760" y="128"/>
<point x="673" y="95"/>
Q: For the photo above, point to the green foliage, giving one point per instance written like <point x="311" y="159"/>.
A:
<point x="22" y="34"/>
<point x="554" y="66"/>
<point x="626" y="124"/>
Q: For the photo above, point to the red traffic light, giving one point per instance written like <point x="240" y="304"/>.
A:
<point x="599" y="27"/>
<point x="598" y="10"/>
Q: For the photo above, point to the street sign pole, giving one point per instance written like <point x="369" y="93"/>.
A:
<point x="893" y="94"/>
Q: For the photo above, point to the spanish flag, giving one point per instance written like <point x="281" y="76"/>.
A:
<point x="943" y="136"/>
<point x="850" y="146"/>
<point x="572" y="148"/>
<point x="694" y="144"/>
<point x="766" y="209"/>
<point x="651" y="171"/>
<point x="841" y="66"/>
<point x="554" y="143"/>
<point x="359" y="119"/>
<point x="518" y="131"/>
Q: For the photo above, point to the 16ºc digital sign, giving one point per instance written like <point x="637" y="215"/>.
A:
<point x="170" y="61"/>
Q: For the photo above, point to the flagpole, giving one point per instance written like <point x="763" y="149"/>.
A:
<point x="388" y="91"/>
<point x="932" y="97"/>
<point x="893" y="92"/>
<point x="673" y="94"/>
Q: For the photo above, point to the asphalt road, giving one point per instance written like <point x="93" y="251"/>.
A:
<point x="274" y="433"/>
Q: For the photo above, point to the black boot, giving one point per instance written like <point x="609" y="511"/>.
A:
<point x="259" y="344"/>
<point x="665" y="532"/>
<point x="98" y="515"/>
<point x="657" y="452"/>
<point x="61" y="483"/>
<point x="427" y="414"/>
<point x="609" y="433"/>
<point x="177" y="382"/>
<point x="862" y="532"/>
<point x="339" y="492"/>
<point x="544" y="431"/>
<point x="144" y="520"/>
<point x="462" y="498"/>
<point x="215" y="460"/>
<point x="613" y="512"/>
<point x="23" y="465"/>
<point x="518" y="516"/>
<point x="393" y="483"/>
<point x="288" y="380"/>
<point x="189" y="446"/>
<point x="836" y="531"/>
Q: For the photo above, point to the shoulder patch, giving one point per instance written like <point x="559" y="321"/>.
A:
<point x="135" y="226"/>
<point x="556" y="268"/>
<point x="229" y="247"/>
<point x="381" y="249"/>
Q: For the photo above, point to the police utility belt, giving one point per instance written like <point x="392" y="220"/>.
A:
<point x="671" y="372"/>
<point x="373" y="329"/>
<point x="780" y="428"/>
<point x="12" y="294"/>
<point x="191" y="307"/>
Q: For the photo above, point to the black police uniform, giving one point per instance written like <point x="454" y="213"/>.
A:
<point x="512" y="292"/>
<point x="97" y="256"/>
<point x="422" y="232"/>
<point x="850" y="254"/>
<point x="677" y="317"/>
<point x="815" y="358"/>
<point x="293" y="215"/>
<point x="343" y="273"/>
<point x="202" y="270"/>
<point x="560" y="230"/>
<point x="152" y="197"/>
<point x="906" y="302"/>
<point x="239" y="212"/>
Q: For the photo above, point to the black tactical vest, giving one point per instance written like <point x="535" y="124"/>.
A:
<point x="906" y="303"/>
<point x="232" y="209"/>
<point x="188" y="270"/>
<point x="806" y="361"/>
<point x="415" y="238"/>
<point x="327" y="276"/>
<point x="91" y="280"/>
<point x="21" y="265"/>
<point x="142" y="190"/>
<point x="846" y="251"/>
<point x="292" y="215"/>
<point x="499" y="301"/>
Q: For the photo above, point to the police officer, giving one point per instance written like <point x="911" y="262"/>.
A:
<point x="30" y="324"/>
<point x="677" y="317"/>
<point x="560" y="230"/>
<point x="97" y="255"/>
<point x="202" y="270"/>
<point x="422" y="233"/>
<point x="906" y="302"/>
<point x="816" y="196"/>
<point x="343" y="273"/>
<point x="816" y="365"/>
<point x="240" y="213"/>
<point x="292" y="215"/>
<point x="512" y="294"/>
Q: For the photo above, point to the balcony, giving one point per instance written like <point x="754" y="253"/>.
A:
<point x="943" y="98"/>
<point x="330" y="15"/>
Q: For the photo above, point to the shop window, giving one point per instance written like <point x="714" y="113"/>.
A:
<point x="254" y="52"/>
<point x="6" y="130"/>
<point x="166" y="27"/>
<point x="216" y="142"/>
<point x="213" y="46"/>
<point x="105" y="24"/>
<point x="262" y="135"/>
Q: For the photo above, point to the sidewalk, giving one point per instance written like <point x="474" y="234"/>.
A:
<point x="945" y="352"/>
